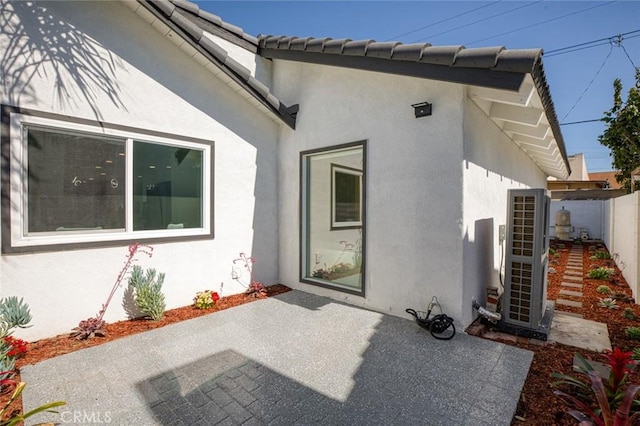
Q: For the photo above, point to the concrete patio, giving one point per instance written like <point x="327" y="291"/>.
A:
<point x="292" y="359"/>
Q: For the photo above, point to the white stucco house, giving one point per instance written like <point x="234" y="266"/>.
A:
<point x="372" y="173"/>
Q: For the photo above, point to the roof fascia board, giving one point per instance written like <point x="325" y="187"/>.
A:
<point x="539" y="79"/>
<point x="282" y="112"/>
<point x="472" y="76"/>
<point x="220" y="32"/>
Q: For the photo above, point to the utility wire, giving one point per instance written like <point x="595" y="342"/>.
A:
<point x="443" y="21"/>
<point x="541" y="22"/>
<point x="478" y="21"/>
<point x="547" y="55"/>
<point x="627" y="53"/>
<point x="580" y="122"/>
<point x="590" y="83"/>
<point x="591" y="42"/>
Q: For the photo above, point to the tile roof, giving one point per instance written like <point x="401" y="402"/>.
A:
<point x="173" y="14"/>
<point x="610" y="176"/>
<point x="491" y="67"/>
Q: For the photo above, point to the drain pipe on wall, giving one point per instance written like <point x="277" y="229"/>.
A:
<point x="494" y="317"/>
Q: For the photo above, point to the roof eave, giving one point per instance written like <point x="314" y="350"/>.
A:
<point x="164" y="10"/>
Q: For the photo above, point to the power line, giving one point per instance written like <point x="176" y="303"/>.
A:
<point x="478" y="21"/>
<point x="627" y="53"/>
<point x="546" y="55"/>
<point x="443" y="20"/>
<point x="607" y="39"/>
<point x="580" y="122"/>
<point x="590" y="83"/>
<point x="541" y="22"/>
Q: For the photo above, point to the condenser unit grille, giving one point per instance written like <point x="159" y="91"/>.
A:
<point x="523" y="226"/>
<point x="526" y="258"/>
<point x="521" y="288"/>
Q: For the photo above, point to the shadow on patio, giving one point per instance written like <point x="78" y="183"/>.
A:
<point x="278" y="361"/>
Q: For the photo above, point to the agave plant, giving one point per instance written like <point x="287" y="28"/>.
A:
<point x="608" y="302"/>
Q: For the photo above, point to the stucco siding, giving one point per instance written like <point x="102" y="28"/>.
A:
<point x="492" y="164"/>
<point x="101" y="62"/>
<point x="414" y="179"/>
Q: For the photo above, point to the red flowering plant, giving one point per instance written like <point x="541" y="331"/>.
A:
<point x="205" y="299"/>
<point x="614" y="403"/>
<point x="17" y="347"/>
<point x="254" y="288"/>
<point x="94" y="326"/>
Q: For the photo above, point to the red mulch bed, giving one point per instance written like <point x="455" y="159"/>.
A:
<point x="63" y="344"/>
<point x="538" y="405"/>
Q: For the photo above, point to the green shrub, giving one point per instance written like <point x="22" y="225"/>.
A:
<point x="636" y="354"/>
<point x="601" y="273"/>
<point x="148" y="292"/>
<point x="602" y="254"/>
<point x="629" y="314"/>
<point x="603" y="289"/>
<point x="633" y="333"/>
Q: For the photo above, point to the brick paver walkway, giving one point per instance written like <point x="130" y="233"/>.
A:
<point x="292" y="359"/>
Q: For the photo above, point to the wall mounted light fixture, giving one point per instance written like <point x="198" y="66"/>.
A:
<point x="422" y="109"/>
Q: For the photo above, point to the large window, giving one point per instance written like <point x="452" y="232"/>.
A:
<point x="78" y="183"/>
<point x="333" y="210"/>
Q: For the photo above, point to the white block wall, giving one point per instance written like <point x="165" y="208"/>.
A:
<point x="587" y="214"/>
<point x="624" y="237"/>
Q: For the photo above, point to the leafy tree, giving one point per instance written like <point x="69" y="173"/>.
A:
<point x="622" y="135"/>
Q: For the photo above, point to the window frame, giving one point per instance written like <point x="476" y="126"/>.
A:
<point x="335" y="225"/>
<point x="304" y="248"/>
<point x="15" y="238"/>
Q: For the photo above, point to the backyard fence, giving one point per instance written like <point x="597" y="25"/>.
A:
<point x="622" y="235"/>
<point x="615" y="221"/>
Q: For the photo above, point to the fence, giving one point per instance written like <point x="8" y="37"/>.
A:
<point x="622" y="235"/>
<point x="615" y="221"/>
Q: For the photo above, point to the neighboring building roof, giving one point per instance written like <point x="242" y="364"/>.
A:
<point x="173" y="14"/>
<point x="610" y="176"/>
<point x="587" y="194"/>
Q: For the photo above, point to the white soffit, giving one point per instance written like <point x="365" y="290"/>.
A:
<point x="523" y="119"/>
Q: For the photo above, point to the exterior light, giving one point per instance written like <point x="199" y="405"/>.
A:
<point x="422" y="109"/>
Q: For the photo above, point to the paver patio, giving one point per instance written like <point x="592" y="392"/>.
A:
<point x="292" y="359"/>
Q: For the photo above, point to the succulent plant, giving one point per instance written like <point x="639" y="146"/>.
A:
<point x="256" y="289"/>
<point x="608" y="303"/>
<point x="15" y="312"/>
<point x="603" y="289"/>
<point x="632" y="333"/>
<point x="89" y="328"/>
<point x="148" y="292"/>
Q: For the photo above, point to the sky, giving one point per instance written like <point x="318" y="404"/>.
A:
<point x="581" y="79"/>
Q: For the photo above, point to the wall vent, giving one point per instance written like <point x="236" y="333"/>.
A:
<point x="525" y="292"/>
